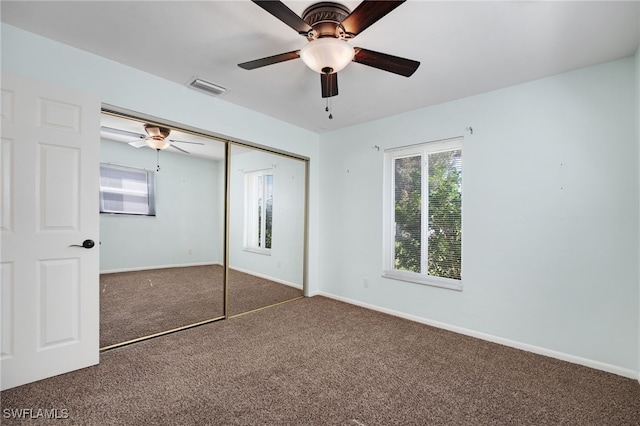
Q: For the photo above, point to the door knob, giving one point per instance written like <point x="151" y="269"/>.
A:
<point x="86" y="244"/>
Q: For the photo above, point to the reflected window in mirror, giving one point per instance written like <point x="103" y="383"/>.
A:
<point x="127" y="190"/>
<point x="258" y="187"/>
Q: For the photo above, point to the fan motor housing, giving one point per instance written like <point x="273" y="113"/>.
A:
<point x="325" y="18"/>
<point x="156" y="132"/>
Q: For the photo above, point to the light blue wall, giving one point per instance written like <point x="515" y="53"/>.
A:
<point x="550" y="214"/>
<point x="32" y="56"/>
<point x="187" y="228"/>
<point x="551" y="195"/>
<point x="285" y="263"/>
<point x="638" y="137"/>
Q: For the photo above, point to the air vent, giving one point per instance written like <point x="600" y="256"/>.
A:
<point x="205" y="86"/>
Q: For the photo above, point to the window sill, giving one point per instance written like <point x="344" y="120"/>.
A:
<point x="266" y="252"/>
<point x="423" y="279"/>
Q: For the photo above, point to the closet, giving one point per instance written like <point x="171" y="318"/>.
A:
<point x="225" y="233"/>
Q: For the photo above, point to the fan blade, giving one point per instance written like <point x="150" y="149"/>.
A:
<point x="286" y="15"/>
<point x="385" y="62"/>
<point x="118" y="132"/>
<point x="138" y="144"/>
<point x="270" y="60"/>
<point x="178" y="148"/>
<point x="329" y="84"/>
<point x="367" y="13"/>
<point x="193" y="143"/>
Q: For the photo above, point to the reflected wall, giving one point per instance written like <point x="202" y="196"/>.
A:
<point x="266" y="229"/>
<point x="163" y="272"/>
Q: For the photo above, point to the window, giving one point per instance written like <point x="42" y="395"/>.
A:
<point x="423" y="214"/>
<point x="258" y="187"/>
<point x="126" y="190"/>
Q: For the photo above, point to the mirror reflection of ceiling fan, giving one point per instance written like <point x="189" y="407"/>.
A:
<point x="156" y="137"/>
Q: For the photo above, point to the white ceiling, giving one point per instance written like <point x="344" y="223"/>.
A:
<point x="465" y="48"/>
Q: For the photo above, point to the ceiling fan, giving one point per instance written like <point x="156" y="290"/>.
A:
<point x="156" y="137"/>
<point x="328" y="26"/>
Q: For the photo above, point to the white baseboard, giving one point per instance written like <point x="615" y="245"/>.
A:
<point x="632" y="374"/>
<point x="148" y="268"/>
<point x="266" y="277"/>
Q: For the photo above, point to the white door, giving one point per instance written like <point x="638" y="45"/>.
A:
<point x="49" y="169"/>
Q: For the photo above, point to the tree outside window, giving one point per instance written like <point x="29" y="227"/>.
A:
<point x="424" y="224"/>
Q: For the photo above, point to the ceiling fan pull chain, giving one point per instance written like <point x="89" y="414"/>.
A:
<point x="328" y="109"/>
<point x="157" y="160"/>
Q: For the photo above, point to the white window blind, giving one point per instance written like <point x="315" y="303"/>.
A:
<point x="126" y="190"/>
<point x="423" y="214"/>
<point x="444" y="205"/>
<point x="408" y="213"/>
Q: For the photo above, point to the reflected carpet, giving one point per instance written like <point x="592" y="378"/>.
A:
<point x="140" y="303"/>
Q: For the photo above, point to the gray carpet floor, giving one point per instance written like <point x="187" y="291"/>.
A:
<point x="317" y="361"/>
<point x="140" y="303"/>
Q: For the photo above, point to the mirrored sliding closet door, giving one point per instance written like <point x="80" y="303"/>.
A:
<point x="266" y="229"/>
<point x="162" y="196"/>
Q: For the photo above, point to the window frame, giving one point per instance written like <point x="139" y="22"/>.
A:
<point x="390" y="155"/>
<point x="251" y="215"/>
<point x="150" y="194"/>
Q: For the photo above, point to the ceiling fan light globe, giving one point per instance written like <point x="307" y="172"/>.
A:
<point x="157" y="143"/>
<point x="327" y="53"/>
